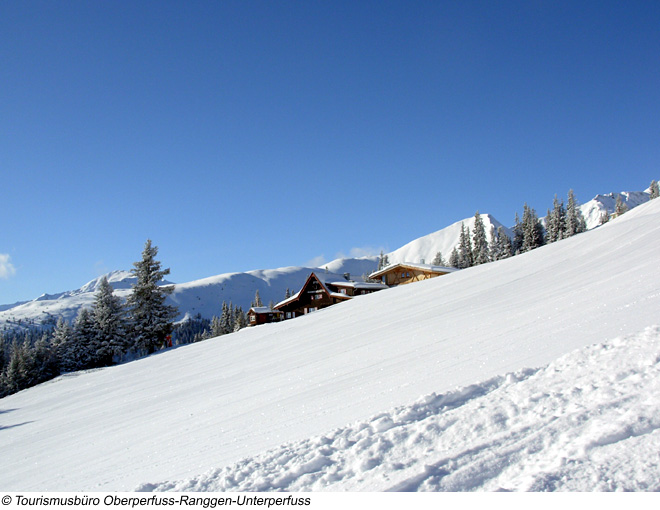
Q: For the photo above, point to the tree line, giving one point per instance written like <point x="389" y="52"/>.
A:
<point x="561" y="222"/>
<point x="109" y="332"/>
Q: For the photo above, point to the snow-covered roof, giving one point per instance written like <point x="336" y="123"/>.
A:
<point x="262" y="309"/>
<point x="288" y="300"/>
<point x="414" y="265"/>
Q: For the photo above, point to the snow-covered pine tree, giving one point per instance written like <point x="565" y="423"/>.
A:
<point x="654" y="189"/>
<point x="620" y="207"/>
<point x="454" y="258"/>
<point x="151" y="319"/>
<point x="63" y="342"/>
<point x="16" y="375"/>
<point x="516" y="244"/>
<point x="500" y="247"/>
<point x="241" y="320"/>
<point x="81" y="356"/>
<point x="574" y="222"/>
<point x="216" y="327"/>
<point x="44" y="361"/>
<point x="532" y="230"/>
<point x="555" y="221"/>
<point x="465" y="248"/>
<point x="479" y="242"/>
<point x="438" y="260"/>
<point x="225" y="317"/>
<point x="383" y="261"/>
<point x="108" y="314"/>
<point x="257" y="299"/>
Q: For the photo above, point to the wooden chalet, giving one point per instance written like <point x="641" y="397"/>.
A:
<point x="322" y="290"/>
<point x="408" y="272"/>
<point x="263" y="315"/>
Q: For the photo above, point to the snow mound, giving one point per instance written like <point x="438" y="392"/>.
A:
<point x="588" y="421"/>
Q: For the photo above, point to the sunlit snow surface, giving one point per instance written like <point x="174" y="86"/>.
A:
<point x="544" y="370"/>
<point x="588" y="421"/>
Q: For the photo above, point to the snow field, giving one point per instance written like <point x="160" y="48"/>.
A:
<point x="585" y="421"/>
<point x="588" y="421"/>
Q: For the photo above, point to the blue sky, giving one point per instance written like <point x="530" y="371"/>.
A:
<point x="243" y="135"/>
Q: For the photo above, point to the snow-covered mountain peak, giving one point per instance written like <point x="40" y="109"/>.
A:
<point x="424" y="249"/>
<point x="119" y="279"/>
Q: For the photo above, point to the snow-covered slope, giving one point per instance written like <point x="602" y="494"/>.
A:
<point x="602" y="204"/>
<point x="348" y="378"/>
<point x="443" y="241"/>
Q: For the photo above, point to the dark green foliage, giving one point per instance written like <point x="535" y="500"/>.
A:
<point x="556" y="222"/>
<point x="532" y="230"/>
<point x="500" y="246"/>
<point x="150" y="318"/>
<point x="479" y="242"/>
<point x="655" y="191"/>
<point x="574" y="222"/>
<point x="109" y="341"/>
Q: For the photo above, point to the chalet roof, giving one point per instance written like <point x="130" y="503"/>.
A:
<point x="333" y="280"/>
<point x="263" y="309"/>
<point x="412" y="265"/>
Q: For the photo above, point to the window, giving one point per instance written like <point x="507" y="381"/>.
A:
<point x="343" y="291"/>
<point x="253" y="318"/>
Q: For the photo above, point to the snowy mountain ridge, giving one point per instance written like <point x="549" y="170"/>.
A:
<point x="205" y="296"/>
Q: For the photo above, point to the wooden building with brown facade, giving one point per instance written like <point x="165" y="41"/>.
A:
<point x="408" y="272"/>
<point x="322" y="290"/>
<point x="262" y="315"/>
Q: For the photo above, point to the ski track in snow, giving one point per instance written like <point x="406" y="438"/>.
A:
<point x="587" y="421"/>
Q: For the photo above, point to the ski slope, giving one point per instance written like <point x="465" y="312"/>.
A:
<point x="512" y="375"/>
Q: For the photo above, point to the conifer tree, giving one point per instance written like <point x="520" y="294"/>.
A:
<point x="225" y="318"/>
<point x="517" y="242"/>
<point x="465" y="248"/>
<point x="63" y="343"/>
<point x="500" y="245"/>
<point x="108" y="315"/>
<point x="655" y="191"/>
<point x="81" y="356"/>
<point x="555" y="222"/>
<point x="16" y="374"/>
<point x="574" y="222"/>
<point x="383" y="261"/>
<point x="479" y="242"/>
<point x="620" y="207"/>
<point x="151" y="319"/>
<point x="241" y="320"/>
<point x="257" y="299"/>
<point x="454" y="258"/>
<point x="44" y="361"/>
<point x="532" y="230"/>
<point x="216" y="327"/>
<point x="438" y="260"/>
